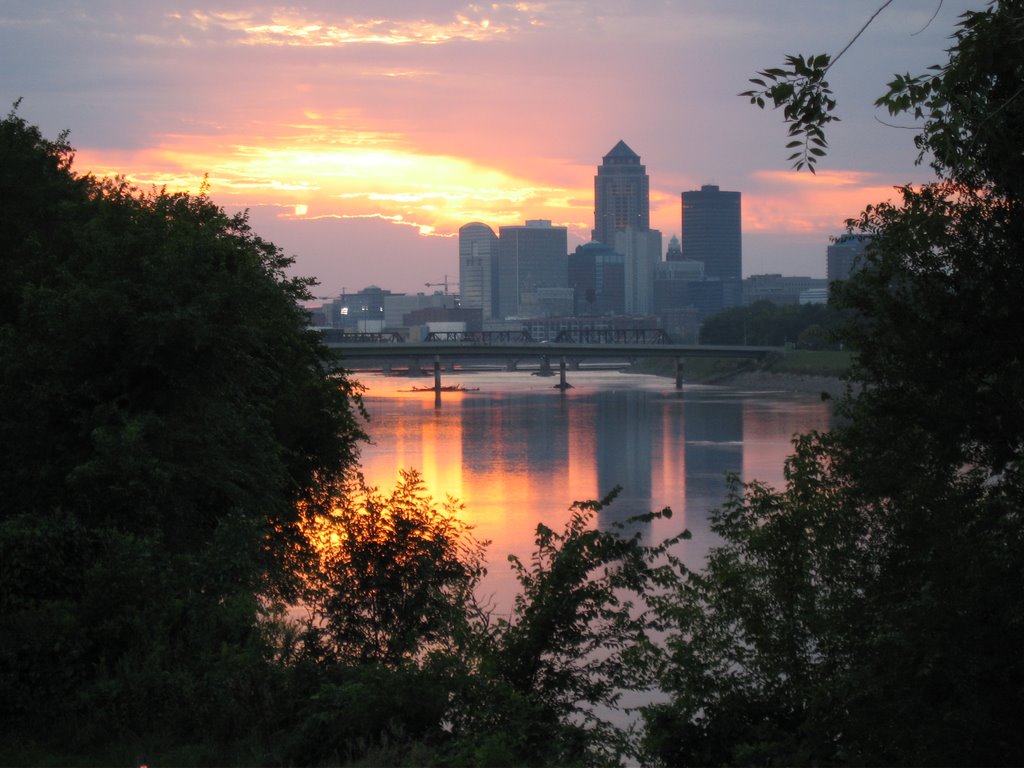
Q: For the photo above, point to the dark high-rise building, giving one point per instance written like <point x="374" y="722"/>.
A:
<point x="621" y="195"/>
<point x="712" y="231"/>
<point x="531" y="259"/>
<point x="844" y="255"/>
<point x="597" y="276"/>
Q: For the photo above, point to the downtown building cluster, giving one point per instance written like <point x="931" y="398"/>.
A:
<point x="524" y="277"/>
<point x="525" y="274"/>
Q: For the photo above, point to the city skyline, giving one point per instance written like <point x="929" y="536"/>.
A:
<point x="360" y="139"/>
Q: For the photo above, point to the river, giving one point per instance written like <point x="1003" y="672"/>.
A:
<point x="516" y="451"/>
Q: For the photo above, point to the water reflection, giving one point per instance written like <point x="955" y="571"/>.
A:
<point x="518" y="452"/>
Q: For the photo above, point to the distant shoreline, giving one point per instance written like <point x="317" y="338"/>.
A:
<point x="786" y="382"/>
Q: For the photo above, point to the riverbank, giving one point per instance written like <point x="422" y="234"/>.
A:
<point x="797" y="371"/>
<point x="766" y="380"/>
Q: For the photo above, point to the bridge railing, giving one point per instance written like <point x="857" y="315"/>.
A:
<point x="521" y="336"/>
<point x="341" y="336"/>
<point x="613" y="336"/>
<point x="482" y="337"/>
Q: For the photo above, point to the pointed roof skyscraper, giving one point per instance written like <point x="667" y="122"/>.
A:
<point x="621" y="194"/>
<point x="621" y="153"/>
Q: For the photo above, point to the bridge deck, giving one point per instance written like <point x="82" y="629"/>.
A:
<point x="364" y="350"/>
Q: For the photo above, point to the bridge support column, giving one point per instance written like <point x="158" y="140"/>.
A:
<point x="437" y="374"/>
<point x="511" y="365"/>
<point x="679" y="373"/>
<point x="562" y="383"/>
<point x="545" y="367"/>
<point x="574" y="363"/>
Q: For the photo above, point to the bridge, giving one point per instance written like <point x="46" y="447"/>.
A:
<point x="466" y="347"/>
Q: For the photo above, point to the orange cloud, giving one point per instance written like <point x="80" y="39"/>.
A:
<point x="291" y="27"/>
<point x="325" y="168"/>
<point x="789" y="202"/>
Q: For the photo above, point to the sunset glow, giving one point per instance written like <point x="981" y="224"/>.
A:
<point x="358" y="128"/>
<point x="278" y="27"/>
<point x="348" y="175"/>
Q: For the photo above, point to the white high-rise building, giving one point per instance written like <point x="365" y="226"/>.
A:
<point x="530" y="258"/>
<point x="641" y="250"/>
<point x="478" y="273"/>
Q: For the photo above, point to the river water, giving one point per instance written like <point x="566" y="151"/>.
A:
<point x="516" y="451"/>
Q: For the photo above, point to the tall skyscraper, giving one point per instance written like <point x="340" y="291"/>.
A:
<point x="478" y="274"/>
<point x="712" y="231"/>
<point x="531" y="258"/>
<point x="621" y="195"/>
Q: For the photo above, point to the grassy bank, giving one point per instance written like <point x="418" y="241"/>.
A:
<point x="808" y="363"/>
<point x="796" y="362"/>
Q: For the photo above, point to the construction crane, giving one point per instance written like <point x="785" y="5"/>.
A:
<point x="436" y="285"/>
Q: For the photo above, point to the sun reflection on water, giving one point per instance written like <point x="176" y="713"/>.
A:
<point x="516" y="452"/>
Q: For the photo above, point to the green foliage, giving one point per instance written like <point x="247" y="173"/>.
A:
<point x="765" y="323"/>
<point x="368" y="715"/>
<point x="395" y="577"/>
<point x="835" y="627"/>
<point x="936" y="327"/>
<point x="812" y="363"/>
<point x="967" y="107"/>
<point x="578" y="638"/>
<point x="972" y="106"/>
<point x="175" y="462"/>
<point x="163" y="408"/>
<point x="402" y="666"/>
<point x="753" y="651"/>
<point x="866" y="612"/>
<point x="803" y="93"/>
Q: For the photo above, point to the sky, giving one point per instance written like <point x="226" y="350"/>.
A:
<point x="360" y="135"/>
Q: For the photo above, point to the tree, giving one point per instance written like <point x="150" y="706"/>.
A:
<point x="163" y="409"/>
<point x="577" y="640"/>
<point x="863" y="614"/>
<point x="408" y="668"/>
<point x="768" y="324"/>
<point x="395" y="577"/>
<point x="758" y="629"/>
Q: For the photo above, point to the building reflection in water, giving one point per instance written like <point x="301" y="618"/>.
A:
<point x="518" y="453"/>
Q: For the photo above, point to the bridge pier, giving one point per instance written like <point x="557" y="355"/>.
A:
<point x="511" y="365"/>
<point x="545" y="367"/>
<point x="562" y="383"/>
<point x="679" y="373"/>
<point x="437" y="375"/>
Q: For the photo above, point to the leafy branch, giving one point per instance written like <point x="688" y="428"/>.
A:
<point x="806" y="100"/>
<point x="805" y="97"/>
